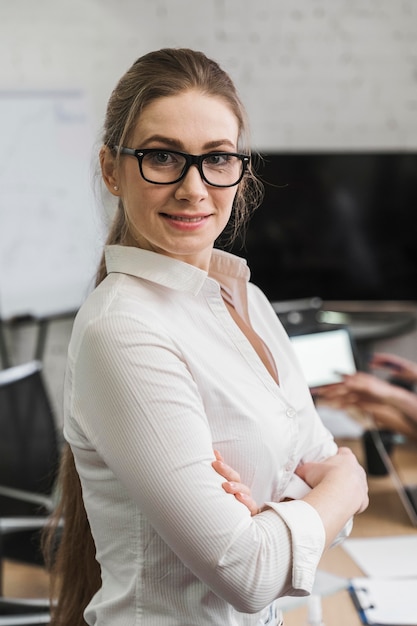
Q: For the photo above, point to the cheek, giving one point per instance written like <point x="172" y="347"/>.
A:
<point x="224" y="201"/>
<point x="143" y="200"/>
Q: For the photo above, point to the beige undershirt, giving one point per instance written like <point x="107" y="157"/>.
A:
<point x="257" y="343"/>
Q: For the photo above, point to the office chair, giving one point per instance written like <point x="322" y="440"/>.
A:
<point x="22" y="611"/>
<point x="29" y="458"/>
<point x="29" y="450"/>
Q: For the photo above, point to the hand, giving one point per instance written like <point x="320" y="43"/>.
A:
<point x="396" y="365"/>
<point x="234" y="485"/>
<point x="368" y="386"/>
<point x="385" y="416"/>
<point x="343" y="477"/>
<point x="391" y="418"/>
<point x="356" y="388"/>
<point x="339" y="490"/>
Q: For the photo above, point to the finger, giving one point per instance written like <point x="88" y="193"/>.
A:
<point x="226" y="471"/>
<point x="218" y="455"/>
<point x="248" y="502"/>
<point x="344" y="450"/>
<point x="236" y="487"/>
<point x="243" y="495"/>
<point x="389" y="361"/>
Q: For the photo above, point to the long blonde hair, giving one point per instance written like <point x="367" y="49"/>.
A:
<point x="70" y="554"/>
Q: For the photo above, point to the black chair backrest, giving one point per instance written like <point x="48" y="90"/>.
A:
<point x="22" y="612"/>
<point x="29" y="449"/>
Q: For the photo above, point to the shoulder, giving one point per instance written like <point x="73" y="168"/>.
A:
<point x="260" y="304"/>
<point x="121" y="311"/>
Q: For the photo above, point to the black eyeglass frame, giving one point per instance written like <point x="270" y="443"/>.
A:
<point x="190" y="159"/>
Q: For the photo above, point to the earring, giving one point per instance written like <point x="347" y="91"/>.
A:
<point x="116" y="188"/>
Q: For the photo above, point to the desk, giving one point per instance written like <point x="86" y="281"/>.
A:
<point x="384" y="516"/>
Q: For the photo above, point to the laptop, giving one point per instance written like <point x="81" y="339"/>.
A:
<point x="406" y="493"/>
<point x="325" y="355"/>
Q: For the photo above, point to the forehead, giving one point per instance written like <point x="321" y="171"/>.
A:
<point x="190" y="117"/>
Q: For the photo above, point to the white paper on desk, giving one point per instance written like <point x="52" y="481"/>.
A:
<point x="388" y="602"/>
<point x="385" y="557"/>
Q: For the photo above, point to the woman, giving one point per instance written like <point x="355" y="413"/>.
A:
<point x="174" y="356"/>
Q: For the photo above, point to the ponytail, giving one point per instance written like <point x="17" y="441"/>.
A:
<point x="70" y="551"/>
<point x="67" y="542"/>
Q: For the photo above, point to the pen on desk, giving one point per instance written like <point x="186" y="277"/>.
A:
<point x="358" y="606"/>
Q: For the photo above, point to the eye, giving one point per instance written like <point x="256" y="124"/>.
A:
<point x="162" y="158"/>
<point x="158" y="159"/>
<point x="221" y="160"/>
<point x="217" y="159"/>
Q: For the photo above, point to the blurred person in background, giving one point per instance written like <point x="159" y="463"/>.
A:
<point x="387" y="394"/>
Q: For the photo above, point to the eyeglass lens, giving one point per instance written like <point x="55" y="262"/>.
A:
<point x="167" y="167"/>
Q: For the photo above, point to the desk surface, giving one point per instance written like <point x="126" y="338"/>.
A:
<point x="384" y="516"/>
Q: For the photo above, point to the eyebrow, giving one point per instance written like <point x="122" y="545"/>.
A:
<point x="176" y="144"/>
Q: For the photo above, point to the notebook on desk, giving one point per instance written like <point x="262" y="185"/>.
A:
<point x="385" y="602"/>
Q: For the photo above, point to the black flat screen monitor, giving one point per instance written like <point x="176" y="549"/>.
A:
<point x="340" y="226"/>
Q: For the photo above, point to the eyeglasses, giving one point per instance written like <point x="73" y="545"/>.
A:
<point x="165" y="167"/>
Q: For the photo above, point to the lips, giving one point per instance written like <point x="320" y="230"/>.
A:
<point x="183" y="218"/>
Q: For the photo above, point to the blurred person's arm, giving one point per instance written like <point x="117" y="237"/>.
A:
<point x="365" y="390"/>
<point x="390" y="418"/>
<point x="395" y="365"/>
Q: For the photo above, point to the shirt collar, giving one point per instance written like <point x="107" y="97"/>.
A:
<point x="225" y="268"/>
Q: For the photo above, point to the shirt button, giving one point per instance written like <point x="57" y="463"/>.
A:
<point x="291" y="412"/>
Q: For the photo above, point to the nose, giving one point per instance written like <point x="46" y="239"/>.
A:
<point x="192" y="187"/>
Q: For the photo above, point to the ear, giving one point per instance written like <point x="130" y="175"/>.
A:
<point x="109" y="170"/>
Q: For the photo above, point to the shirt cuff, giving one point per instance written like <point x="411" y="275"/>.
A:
<point x="308" y="541"/>
<point x="345" y="532"/>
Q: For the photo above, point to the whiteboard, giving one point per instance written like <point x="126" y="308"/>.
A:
<point x="51" y="234"/>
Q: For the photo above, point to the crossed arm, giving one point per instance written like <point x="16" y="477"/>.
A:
<point x="330" y="481"/>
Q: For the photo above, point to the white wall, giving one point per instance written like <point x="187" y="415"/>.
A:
<point x="313" y="73"/>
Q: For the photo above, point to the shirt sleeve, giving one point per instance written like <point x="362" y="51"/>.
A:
<point x="308" y="539"/>
<point x="135" y="400"/>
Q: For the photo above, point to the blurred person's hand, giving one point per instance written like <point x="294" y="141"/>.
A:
<point x="353" y="389"/>
<point x="395" y="365"/>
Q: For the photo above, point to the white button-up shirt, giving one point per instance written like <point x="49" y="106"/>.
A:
<point x="158" y="376"/>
